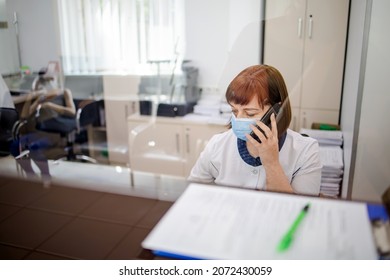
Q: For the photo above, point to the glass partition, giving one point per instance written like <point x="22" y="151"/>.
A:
<point x="150" y="148"/>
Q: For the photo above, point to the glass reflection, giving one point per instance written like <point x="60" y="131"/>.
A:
<point x="129" y="136"/>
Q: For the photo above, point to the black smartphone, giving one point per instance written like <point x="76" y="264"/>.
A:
<point x="266" y="119"/>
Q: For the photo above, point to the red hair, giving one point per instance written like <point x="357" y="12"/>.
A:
<point x="267" y="84"/>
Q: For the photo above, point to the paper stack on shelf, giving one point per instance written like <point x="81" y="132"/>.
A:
<point x="209" y="104"/>
<point x="325" y="137"/>
<point x="332" y="170"/>
<point x="331" y="154"/>
<point x="206" y="109"/>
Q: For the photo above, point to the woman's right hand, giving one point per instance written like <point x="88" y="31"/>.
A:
<point x="51" y="94"/>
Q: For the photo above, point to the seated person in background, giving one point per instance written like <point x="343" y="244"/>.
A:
<point x="48" y="101"/>
<point x="45" y="102"/>
<point x="284" y="161"/>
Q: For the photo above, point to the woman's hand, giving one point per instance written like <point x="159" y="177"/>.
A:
<point x="268" y="149"/>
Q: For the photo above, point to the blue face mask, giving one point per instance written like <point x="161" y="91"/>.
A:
<point x="241" y="126"/>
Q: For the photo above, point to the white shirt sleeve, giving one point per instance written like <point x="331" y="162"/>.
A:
<point x="307" y="178"/>
<point x="203" y="170"/>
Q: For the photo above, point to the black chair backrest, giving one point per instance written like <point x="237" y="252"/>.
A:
<point x="8" y="117"/>
<point x="89" y="112"/>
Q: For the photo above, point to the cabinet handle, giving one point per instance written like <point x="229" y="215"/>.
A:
<point x="178" y="143"/>
<point x="188" y="143"/>
<point x="304" y="122"/>
<point x="132" y="107"/>
<point x="300" y="28"/>
<point x="310" y="26"/>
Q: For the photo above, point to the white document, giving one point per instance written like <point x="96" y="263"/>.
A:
<point x="214" y="222"/>
<point x="325" y="137"/>
<point x="322" y="134"/>
<point x="331" y="157"/>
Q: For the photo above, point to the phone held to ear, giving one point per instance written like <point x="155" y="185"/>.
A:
<point x="266" y="119"/>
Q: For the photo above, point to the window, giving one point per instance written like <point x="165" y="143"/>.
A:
<point x="119" y="35"/>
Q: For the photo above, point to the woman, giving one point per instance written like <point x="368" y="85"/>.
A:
<point x="46" y="108"/>
<point x="48" y="101"/>
<point x="283" y="160"/>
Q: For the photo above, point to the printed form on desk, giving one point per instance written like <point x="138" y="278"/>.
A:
<point x="215" y="222"/>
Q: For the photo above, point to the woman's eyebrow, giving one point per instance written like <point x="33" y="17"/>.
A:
<point x="252" y="109"/>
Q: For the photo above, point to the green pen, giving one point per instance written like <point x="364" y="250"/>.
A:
<point x="285" y="243"/>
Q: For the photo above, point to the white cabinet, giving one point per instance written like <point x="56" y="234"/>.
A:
<point x="305" y="40"/>
<point x="117" y="112"/>
<point x="309" y="116"/>
<point x="195" y="138"/>
<point x="120" y="101"/>
<point x="167" y="145"/>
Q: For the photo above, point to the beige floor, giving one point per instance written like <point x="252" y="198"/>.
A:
<point x="87" y="212"/>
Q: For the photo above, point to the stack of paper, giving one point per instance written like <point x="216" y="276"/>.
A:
<point x="331" y="154"/>
<point x="206" y="109"/>
<point x="216" y="222"/>
<point x="325" y="137"/>
<point x="218" y="119"/>
<point x="209" y="104"/>
<point x="332" y="170"/>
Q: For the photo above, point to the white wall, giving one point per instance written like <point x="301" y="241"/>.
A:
<point x="207" y="37"/>
<point x="351" y="85"/>
<point x="38" y="31"/>
<point x="366" y="101"/>
<point x="245" y="39"/>
<point x="223" y="37"/>
<point x="372" y="166"/>
<point x="9" y="62"/>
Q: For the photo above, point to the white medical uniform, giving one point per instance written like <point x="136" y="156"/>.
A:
<point x="221" y="163"/>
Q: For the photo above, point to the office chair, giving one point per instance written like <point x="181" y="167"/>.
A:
<point x="10" y="126"/>
<point x="8" y="118"/>
<point x="10" y="132"/>
<point x="72" y="127"/>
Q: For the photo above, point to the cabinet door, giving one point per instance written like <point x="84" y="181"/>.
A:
<point x="196" y="138"/>
<point x="295" y="119"/>
<point x="308" y="117"/>
<point x="284" y="41"/>
<point x="117" y="111"/>
<point x="156" y="147"/>
<point x="120" y="91"/>
<point x="326" y="26"/>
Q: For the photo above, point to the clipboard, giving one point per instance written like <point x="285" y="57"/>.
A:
<point x="196" y="228"/>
